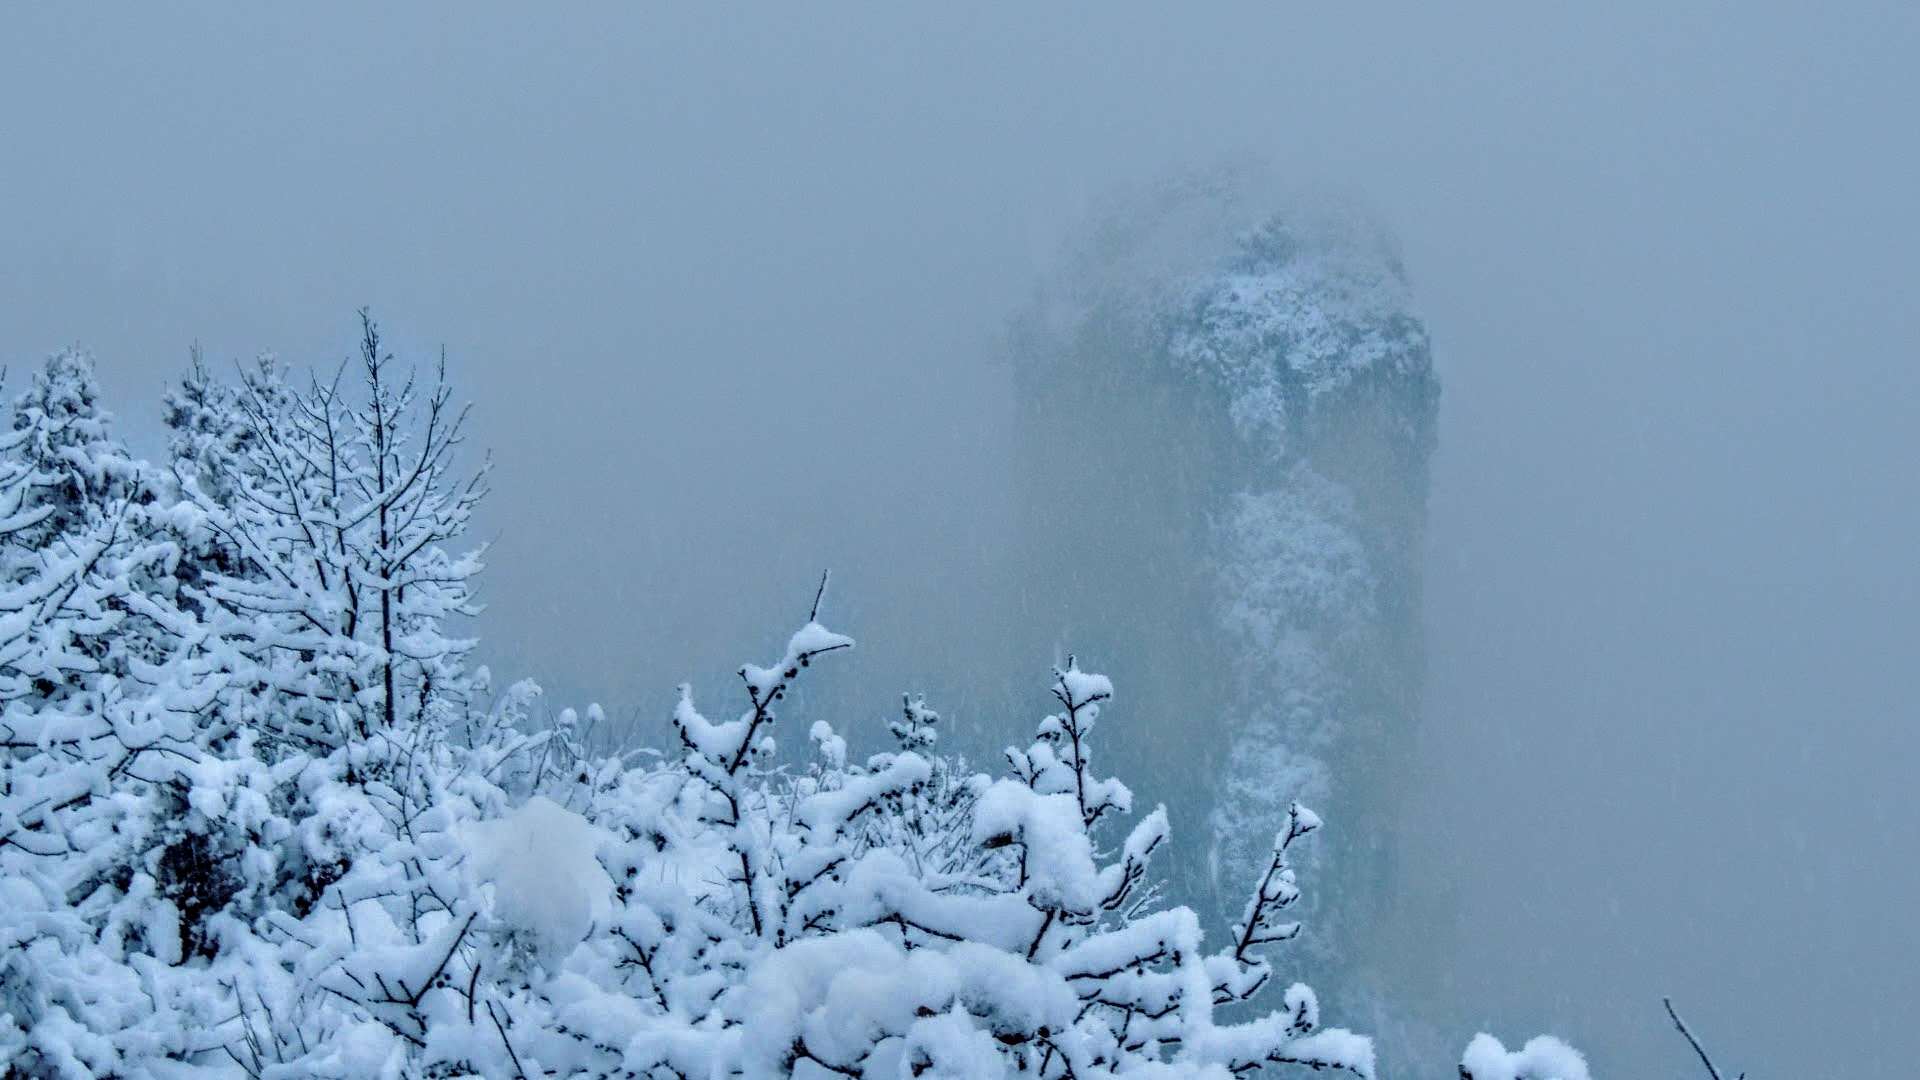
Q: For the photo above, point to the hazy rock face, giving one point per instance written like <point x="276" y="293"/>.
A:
<point x="1228" y="490"/>
<point x="1306" y="347"/>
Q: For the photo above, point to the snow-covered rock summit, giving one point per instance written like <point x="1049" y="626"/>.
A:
<point x="1292" y="318"/>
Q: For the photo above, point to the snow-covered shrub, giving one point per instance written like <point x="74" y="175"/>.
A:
<point x="893" y="917"/>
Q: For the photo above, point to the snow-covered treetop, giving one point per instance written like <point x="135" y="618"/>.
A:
<point x="65" y="445"/>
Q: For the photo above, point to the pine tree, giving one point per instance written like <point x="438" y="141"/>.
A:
<point x="102" y="685"/>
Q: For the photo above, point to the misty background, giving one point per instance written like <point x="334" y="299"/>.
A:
<point x="727" y="289"/>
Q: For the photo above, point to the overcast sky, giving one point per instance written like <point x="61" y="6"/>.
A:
<point x="724" y="284"/>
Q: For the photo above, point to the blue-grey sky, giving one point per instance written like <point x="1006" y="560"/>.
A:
<point x="723" y="284"/>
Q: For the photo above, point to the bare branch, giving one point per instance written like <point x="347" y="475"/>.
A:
<point x="1695" y="1043"/>
<point x="813" y="615"/>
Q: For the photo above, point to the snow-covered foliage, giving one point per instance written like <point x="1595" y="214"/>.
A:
<point x="898" y="918"/>
<point x="258" y="818"/>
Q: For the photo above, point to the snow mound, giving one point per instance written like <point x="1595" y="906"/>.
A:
<point x="1543" y="1058"/>
<point x="547" y="880"/>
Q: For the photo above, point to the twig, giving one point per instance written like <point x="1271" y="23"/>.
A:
<point x="508" y="1043"/>
<point x="819" y="594"/>
<point x="1697" y="1048"/>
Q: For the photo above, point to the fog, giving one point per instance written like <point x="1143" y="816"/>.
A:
<point x="727" y="286"/>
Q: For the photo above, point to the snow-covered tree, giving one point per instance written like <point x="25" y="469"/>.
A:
<point x="336" y="510"/>
<point x="88" y="636"/>
<point x="103" y="683"/>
